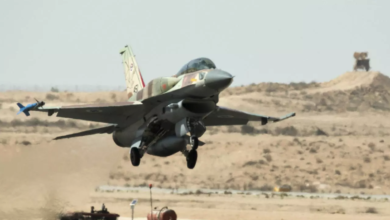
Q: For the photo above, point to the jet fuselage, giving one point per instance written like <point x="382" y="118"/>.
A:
<point x="163" y="128"/>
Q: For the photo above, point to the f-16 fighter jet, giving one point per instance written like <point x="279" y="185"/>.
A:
<point x="167" y="115"/>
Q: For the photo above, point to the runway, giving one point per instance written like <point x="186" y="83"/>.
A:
<point x="127" y="218"/>
<point x="254" y="193"/>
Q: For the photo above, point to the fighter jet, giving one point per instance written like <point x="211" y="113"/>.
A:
<point x="166" y="116"/>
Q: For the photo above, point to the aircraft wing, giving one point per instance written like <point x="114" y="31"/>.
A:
<point x="113" y="113"/>
<point x="107" y="130"/>
<point x="226" y="116"/>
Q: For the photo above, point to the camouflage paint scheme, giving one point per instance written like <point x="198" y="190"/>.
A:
<point x="166" y="84"/>
<point x="164" y="116"/>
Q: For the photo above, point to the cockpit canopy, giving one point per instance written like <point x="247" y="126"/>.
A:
<point x="196" y="65"/>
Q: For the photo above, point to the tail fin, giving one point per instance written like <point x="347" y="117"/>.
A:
<point x="134" y="80"/>
<point x="22" y="108"/>
<point x="20" y="105"/>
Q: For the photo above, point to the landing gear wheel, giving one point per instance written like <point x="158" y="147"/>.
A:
<point x="194" y="143"/>
<point x="191" y="159"/>
<point x="135" y="156"/>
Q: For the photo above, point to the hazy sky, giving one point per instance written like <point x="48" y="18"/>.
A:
<point x="78" y="42"/>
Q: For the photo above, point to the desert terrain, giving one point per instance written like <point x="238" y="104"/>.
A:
<point x="338" y="143"/>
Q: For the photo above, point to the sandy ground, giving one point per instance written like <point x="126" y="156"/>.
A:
<point x="242" y="206"/>
<point x="323" y="149"/>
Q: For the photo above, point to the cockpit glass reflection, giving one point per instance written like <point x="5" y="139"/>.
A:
<point x="196" y="65"/>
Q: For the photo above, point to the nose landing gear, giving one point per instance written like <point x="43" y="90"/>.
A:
<point x="192" y="158"/>
<point x="194" y="142"/>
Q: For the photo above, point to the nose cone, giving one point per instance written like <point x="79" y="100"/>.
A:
<point x="218" y="80"/>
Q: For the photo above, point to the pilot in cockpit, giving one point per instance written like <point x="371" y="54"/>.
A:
<point x="196" y="65"/>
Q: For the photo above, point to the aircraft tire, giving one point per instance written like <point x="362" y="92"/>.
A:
<point x="191" y="159"/>
<point x="135" y="156"/>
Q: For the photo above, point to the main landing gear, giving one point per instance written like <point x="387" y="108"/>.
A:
<point x="192" y="155"/>
<point x="135" y="156"/>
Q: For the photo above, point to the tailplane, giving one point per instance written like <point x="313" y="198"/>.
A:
<point x="22" y="108"/>
<point x="134" y="80"/>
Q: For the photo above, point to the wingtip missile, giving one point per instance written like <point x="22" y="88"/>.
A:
<point x="26" y="109"/>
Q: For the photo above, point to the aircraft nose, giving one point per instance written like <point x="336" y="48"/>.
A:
<point x="218" y="80"/>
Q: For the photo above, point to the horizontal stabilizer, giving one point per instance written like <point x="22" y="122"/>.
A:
<point x="226" y="116"/>
<point x="103" y="130"/>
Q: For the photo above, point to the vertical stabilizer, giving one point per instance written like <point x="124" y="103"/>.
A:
<point x="134" y="80"/>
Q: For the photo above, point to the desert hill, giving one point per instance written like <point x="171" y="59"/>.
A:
<point x="352" y="80"/>
<point x="338" y="142"/>
<point x="350" y="92"/>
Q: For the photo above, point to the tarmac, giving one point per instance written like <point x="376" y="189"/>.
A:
<point x="254" y="192"/>
<point x="127" y="218"/>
